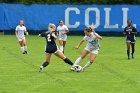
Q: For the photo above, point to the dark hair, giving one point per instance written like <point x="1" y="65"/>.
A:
<point x="129" y="20"/>
<point x="60" y="21"/>
<point x="88" y="29"/>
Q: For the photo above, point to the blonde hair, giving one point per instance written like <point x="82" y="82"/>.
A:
<point x="51" y="27"/>
<point x="92" y="27"/>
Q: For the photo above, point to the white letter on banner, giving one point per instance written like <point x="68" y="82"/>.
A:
<point x="87" y="14"/>
<point x="107" y="20"/>
<point x="67" y="11"/>
<point x="125" y="17"/>
<point x="125" y="11"/>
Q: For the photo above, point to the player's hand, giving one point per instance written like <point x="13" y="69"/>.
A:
<point x="76" y="47"/>
<point x="39" y="35"/>
<point x="63" y="33"/>
<point x="27" y="33"/>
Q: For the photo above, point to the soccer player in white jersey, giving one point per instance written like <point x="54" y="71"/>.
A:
<point x="20" y="34"/>
<point x="92" y="47"/>
<point x="62" y="35"/>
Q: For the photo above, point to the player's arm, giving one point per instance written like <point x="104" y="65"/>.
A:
<point x="124" y="32"/>
<point x="54" y="34"/>
<point x="81" y="42"/>
<point x="66" y="31"/>
<point x="25" y="31"/>
<point x="134" y="31"/>
<point x="16" y="33"/>
<point x="98" y="36"/>
<point x="42" y="35"/>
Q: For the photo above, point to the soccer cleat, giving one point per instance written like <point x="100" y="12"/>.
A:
<point x="25" y="52"/>
<point x="72" y="68"/>
<point x="41" y="69"/>
<point x="83" y="69"/>
<point x="128" y="58"/>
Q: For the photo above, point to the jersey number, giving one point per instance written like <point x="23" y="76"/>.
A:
<point x="48" y="37"/>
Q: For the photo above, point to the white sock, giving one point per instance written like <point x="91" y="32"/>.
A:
<point x="78" y="61"/>
<point x="87" y="65"/>
<point x="61" y="48"/>
<point x="25" y="48"/>
<point x="22" y="49"/>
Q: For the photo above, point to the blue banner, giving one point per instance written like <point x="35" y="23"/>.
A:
<point x="76" y="17"/>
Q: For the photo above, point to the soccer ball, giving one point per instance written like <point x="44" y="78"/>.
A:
<point x="76" y="68"/>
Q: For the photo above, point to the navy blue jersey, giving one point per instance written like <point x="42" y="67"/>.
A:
<point x="51" y="46"/>
<point x="129" y="32"/>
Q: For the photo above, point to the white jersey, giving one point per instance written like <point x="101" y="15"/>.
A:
<point x="93" y="43"/>
<point x="62" y="29"/>
<point x="21" y="30"/>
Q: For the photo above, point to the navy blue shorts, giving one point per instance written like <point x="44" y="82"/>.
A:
<point x="51" y="50"/>
<point x="130" y="40"/>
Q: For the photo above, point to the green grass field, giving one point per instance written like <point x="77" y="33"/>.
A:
<point x="110" y="73"/>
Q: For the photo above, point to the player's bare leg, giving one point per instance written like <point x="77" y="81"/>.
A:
<point x="128" y="50"/>
<point x="84" y="54"/>
<point x="92" y="58"/>
<point x="21" y="46"/>
<point x="25" y="46"/>
<point x="61" y="45"/>
<point x="64" y="44"/>
<point x="46" y="63"/>
<point x="62" y="56"/>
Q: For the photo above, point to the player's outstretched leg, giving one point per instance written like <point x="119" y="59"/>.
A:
<point x="78" y="60"/>
<point x="46" y="63"/>
<point x="84" y="54"/>
<point x="61" y="55"/>
<point x="43" y="66"/>
<point x="92" y="58"/>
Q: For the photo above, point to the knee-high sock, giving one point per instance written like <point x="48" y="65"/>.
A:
<point x="61" y="48"/>
<point x="128" y="53"/>
<point x="25" y="48"/>
<point x="133" y="49"/>
<point x="68" y="61"/>
<point x="78" y="61"/>
<point x="87" y="65"/>
<point x="45" y="64"/>
<point x="22" y="49"/>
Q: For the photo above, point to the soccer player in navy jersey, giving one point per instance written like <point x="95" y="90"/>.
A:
<point x="51" y="47"/>
<point x="130" y="32"/>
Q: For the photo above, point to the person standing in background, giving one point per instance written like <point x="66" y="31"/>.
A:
<point x="62" y="35"/>
<point x="20" y="34"/>
<point x="130" y="32"/>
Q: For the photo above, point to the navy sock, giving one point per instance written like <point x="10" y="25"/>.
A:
<point x="45" y="64"/>
<point x="68" y="61"/>
<point x="133" y="53"/>
<point x="128" y="53"/>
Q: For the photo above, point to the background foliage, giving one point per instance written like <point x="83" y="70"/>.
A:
<point x="72" y="1"/>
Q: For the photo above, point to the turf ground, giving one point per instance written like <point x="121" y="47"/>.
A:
<point x="111" y="72"/>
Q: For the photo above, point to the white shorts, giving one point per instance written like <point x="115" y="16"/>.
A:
<point x="20" y="39"/>
<point x="92" y="51"/>
<point x="64" y="38"/>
